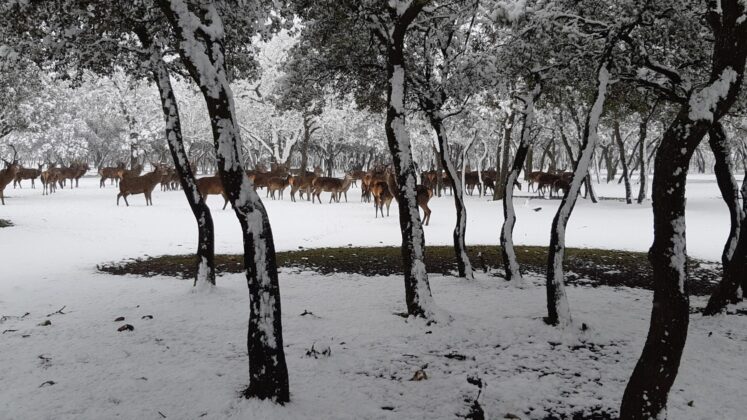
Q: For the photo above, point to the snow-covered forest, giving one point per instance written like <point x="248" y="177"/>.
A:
<point x="559" y="185"/>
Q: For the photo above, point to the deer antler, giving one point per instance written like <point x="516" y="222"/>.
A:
<point x="15" y="153"/>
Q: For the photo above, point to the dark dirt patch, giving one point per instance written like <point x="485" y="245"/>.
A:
<point x="5" y="223"/>
<point x="592" y="267"/>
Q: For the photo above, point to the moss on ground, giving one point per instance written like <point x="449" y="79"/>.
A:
<point x="583" y="266"/>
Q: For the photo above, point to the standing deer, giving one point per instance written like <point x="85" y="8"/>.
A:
<point x="212" y="185"/>
<point x="80" y="170"/>
<point x="49" y="179"/>
<point x="9" y="173"/>
<point x="140" y="185"/>
<point x="331" y="185"/>
<point x="277" y="184"/>
<point x="27" y="173"/>
<point x="111" y="173"/>
<point x="302" y="184"/>
<point x="381" y="196"/>
<point x="423" y="196"/>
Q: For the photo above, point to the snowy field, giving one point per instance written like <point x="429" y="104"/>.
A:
<point x="189" y="361"/>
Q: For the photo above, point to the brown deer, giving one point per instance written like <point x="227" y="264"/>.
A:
<point x="302" y="184"/>
<point x="49" y="178"/>
<point x="212" y="185"/>
<point x="9" y="173"/>
<point x="423" y="196"/>
<point x="381" y="196"/>
<point x="112" y="173"/>
<point x="140" y="185"/>
<point x="369" y="180"/>
<point x="331" y="185"/>
<point x="135" y="171"/>
<point x="64" y="173"/>
<point x="27" y="173"/>
<point x="278" y="184"/>
<point x="80" y="170"/>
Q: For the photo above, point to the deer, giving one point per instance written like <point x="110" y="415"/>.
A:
<point x="125" y="173"/>
<point x="369" y="180"/>
<point x="27" y="173"/>
<point x="381" y="196"/>
<point x="332" y="185"/>
<point x="277" y="184"/>
<point x="212" y="185"/>
<point x="49" y="178"/>
<point x="112" y="173"/>
<point x="9" y="173"/>
<point x="302" y="184"/>
<point x="80" y="170"/>
<point x="140" y="185"/>
<point x="423" y="196"/>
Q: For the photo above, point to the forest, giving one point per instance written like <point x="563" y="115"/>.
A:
<point x="529" y="163"/>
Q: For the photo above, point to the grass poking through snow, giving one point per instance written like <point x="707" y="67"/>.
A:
<point x="583" y="266"/>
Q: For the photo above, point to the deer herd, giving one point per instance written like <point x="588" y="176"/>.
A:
<point x="378" y="184"/>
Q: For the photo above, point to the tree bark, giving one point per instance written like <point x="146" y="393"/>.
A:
<point x="623" y="162"/>
<point x="205" y="273"/>
<point x="558" y="312"/>
<point x="464" y="266"/>
<point x="500" y="184"/>
<point x="202" y="54"/>
<point x="510" y="262"/>
<point x="648" y="389"/>
<point x="642" y="190"/>
<point x="417" y="289"/>
<point x="726" y="292"/>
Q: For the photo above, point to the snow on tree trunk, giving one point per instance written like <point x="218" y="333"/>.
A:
<point x="623" y="162"/>
<point x="460" y="248"/>
<point x="203" y="56"/>
<point x="642" y="191"/>
<point x="726" y="292"/>
<point x="205" y="274"/>
<point x="558" y="312"/>
<point x="648" y="389"/>
<point x="510" y="262"/>
<point x="417" y="289"/>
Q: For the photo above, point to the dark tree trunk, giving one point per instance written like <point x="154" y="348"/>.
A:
<point x="726" y="292"/>
<point x="268" y="373"/>
<point x="460" y="248"/>
<point x="500" y="183"/>
<point x="510" y="262"/>
<point x="558" y="312"/>
<point x="205" y="232"/>
<point x="497" y="194"/>
<point x="648" y="389"/>
<point x="417" y="289"/>
<point x="623" y="162"/>
<point x="529" y="165"/>
<point x="642" y="162"/>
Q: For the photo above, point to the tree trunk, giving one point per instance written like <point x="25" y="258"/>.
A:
<point x="497" y="193"/>
<point x="205" y="274"/>
<point x="460" y="248"/>
<point x="510" y="262"/>
<point x="500" y="183"/>
<point x="623" y="162"/>
<point x="558" y="312"/>
<point x="726" y="292"/>
<point x="202" y="54"/>
<point x="529" y="165"/>
<point x="648" y="389"/>
<point x="642" y="162"/>
<point x="417" y="289"/>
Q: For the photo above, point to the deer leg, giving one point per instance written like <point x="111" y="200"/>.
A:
<point x="225" y="202"/>
<point x="118" y="195"/>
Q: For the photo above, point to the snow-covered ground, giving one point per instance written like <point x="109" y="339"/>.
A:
<point x="190" y="358"/>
